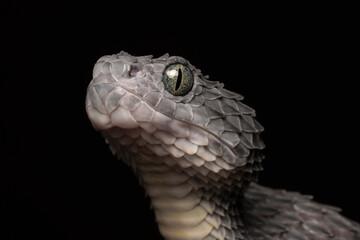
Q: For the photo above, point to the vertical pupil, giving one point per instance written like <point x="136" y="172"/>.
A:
<point x="178" y="80"/>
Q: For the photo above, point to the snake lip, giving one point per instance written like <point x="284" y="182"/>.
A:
<point x="123" y="108"/>
<point x="131" y="111"/>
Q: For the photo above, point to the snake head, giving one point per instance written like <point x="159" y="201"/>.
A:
<point x="165" y="107"/>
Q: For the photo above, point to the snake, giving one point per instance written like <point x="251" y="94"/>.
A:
<point x="195" y="148"/>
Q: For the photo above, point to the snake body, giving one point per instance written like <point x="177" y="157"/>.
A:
<point x="195" y="148"/>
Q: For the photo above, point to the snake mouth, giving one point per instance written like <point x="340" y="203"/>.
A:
<point x="123" y="115"/>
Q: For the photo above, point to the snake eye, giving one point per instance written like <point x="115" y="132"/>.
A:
<point x="178" y="79"/>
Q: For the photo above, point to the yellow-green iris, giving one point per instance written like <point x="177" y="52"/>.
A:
<point x="178" y="79"/>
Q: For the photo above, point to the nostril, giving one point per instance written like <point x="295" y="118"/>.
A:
<point x="134" y="70"/>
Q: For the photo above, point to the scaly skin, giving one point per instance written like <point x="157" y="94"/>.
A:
<point x="196" y="154"/>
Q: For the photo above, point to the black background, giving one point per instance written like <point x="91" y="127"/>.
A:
<point x="294" y="64"/>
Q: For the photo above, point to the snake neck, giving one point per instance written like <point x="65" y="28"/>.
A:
<point x="192" y="206"/>
<point x="186" y="210"/>
<point x="189" y="201"/>
<point x="185" y="213"/>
